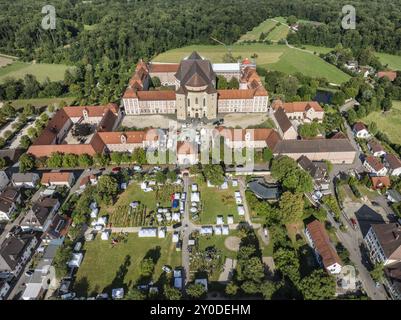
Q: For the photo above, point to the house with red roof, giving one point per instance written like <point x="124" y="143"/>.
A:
<point x="375" y="166"/>
<point x="303" y="111"/>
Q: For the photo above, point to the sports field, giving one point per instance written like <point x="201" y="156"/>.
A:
<point x="272" y="57"/>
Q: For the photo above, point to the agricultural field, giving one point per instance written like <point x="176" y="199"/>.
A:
<point x="388" y="122"/>
<point x="122" y="215"/>
<point x="18" y="69"/>
<point x="279" y="32"/>
<point x="216" y="202"/>
<point x="272" y="57"/>
<point x="392" y="61"/>
<point x="106" y="267"/>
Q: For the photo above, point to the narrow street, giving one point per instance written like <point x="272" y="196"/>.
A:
<point x="186" y="231"/>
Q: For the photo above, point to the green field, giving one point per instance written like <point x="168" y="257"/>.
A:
<point x="105" y="267"/>
<point x="218" y="243"/>
<point x="272" y="57"/>
<point x="388" y="122"/>
<point x="392" y="61"/>
<point x="278" y="33"/>
<point x="254" y="34"/>
<point x="217" y="202"/>
<point x="41" y="102"/>
<point x="18" y="70"/>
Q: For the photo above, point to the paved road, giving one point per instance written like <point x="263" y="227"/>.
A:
<point x="187" y="228"/>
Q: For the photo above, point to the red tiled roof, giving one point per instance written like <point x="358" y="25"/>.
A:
<point x="359" y="126"/>
<point x="46" y="150"/>
<point x="298" y="106"/>
<point x="322" y="244"/>
<point x="391" y="75"/>
<point x="49" y="177"/>
<point x="380" y="182"/>
<point x="93" y="111"/>
<point x="163" y="67"/>
<point x="374" y="163"/>
<point x="156" y="95"/>
<point x="115" y="137"/>
<point x="130" y="93"/>
<point x="259" y="134"/>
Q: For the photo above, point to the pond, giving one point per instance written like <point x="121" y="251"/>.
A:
<point x="323" y="97"/>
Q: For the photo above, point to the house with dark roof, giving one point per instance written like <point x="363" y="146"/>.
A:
<point x="337" y="151"/>
<point x="376" y="148"/>
<point x="383" y="242"/>
<point x="317" y="170"/>
<point x="284" y="126"/>
<point x="393" y="164"/>
<point x="325" y="253"/>
<point x="15" y="252"/>
<point x="360" y="130"/>
<point x="57" y="229"/>
<point x="393" y="280"/>
<point x="39" y="216"/>
<point x="374" y="166"/>
<point x="393" y="195"/>
<point x="25" y="180"/>
<point x="9" y="199"/>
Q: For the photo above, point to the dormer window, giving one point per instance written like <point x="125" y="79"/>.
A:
<point x="248" y="136"/>
<point x="85" y="114"/>
<point x="123" y="139"/>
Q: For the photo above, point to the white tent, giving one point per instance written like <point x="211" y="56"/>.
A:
<point x="194" y="187"/>
<point x="191" y="242"/>
<point x="117" y="293"/>
<point x="234" y="182"/>
<point x="230" y="219"/>
<point x="76" y="260"/>
<point x="193" y="209"/>
<point x="94" y="213"/>
<point x="93" y="205"/>
<point x="225" y="230"/>
<point x="209" y="184"/>
<point x="162" y="232"/>
<point x="176" y="216"/>
<point x="177" y="196"/>
<point x="237" y="194"/>
<point x="183" y="196"/>
<point x="241" y="210"/>
<point x="105" y="235"/>
<point x="217" y="230"/>
<point x="152" y="182"/>
<point x="176" y="236"/>
<point x="219" y="220"/>
<point x="224" y="186"/>
<point x="144" y="185"/>
<point x="102" y="221"/>
<point x="206" y="230"/>
<point x="147" y="232"/>
<point x="195" y="197"/>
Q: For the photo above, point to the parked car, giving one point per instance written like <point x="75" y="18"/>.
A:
<point x="354" y="223"/>
<point x="137" y="168"/>
<point x="116" y="169"/>
<point x="68" y="296"/>
<point x="30" y="272"/>
<point x="166" y="269"/>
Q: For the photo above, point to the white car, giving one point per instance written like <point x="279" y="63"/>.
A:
<point x="166" y="269"/>
<point x="183" y="196"/>
<point x="68" y="296"/>
<point x="137" y="169"/>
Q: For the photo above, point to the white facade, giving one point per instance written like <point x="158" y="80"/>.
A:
<point x="375" y="249"/>
<point x="3" y="180"/>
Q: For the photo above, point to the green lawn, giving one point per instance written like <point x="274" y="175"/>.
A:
<point x="104" y="267"/>
<point x="216" y="202"/>
<point x="272" y="57"/>
<point x="254" y="34"/>
<point x="278" y="33"/>
<point x="218" y="242"/>
<point x="18" y="70"/>
<point x="393" y="61"/>
<point x="388" y="122"/>
<point x="41" y="102"/>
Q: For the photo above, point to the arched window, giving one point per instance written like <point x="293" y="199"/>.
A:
<point x="189" y="102"/>
<point x="204" y="102"/>
<point x="196" y="100"/>
<point x="123" y="139"/>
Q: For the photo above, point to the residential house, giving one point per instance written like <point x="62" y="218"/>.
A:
<point x="58" y="179"/>
<point x="393" y="164"/>
<point x="383" y="242"/>
<point x="25" y="180"/>
<point x="9" y="199"/>
<point x="284" y="126"/>
<point x="391" y="75"/>
<point x="379" y="182"/>
<point x="15" y="252"/>
<point x="393" y="280"/>
<point x="374" y="166"/>
<point x="302" y="111"/>
<point x="39" y="217"/>
<point x="58" y="228"/>
<point x="3" y="180"/>
<point x="324" y="250"/>
<point x="393" y="196"/>
<point x="360" y="130"/>
<point x="376" y="148"/>
<point x="317" y="170"/>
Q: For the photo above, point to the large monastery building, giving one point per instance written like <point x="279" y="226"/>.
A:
<point x="194" y="93"/>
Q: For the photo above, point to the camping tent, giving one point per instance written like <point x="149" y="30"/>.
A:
<point x="162" y="232"/>
<point x="234" y="182"/>
<point x="194" y="187"/>
<point x="105" y="235"/>
<point x="241" y="210"/>
<point x="176" y="236"/>
<point x="217" y="230"/>
<point x="195" y="197"/>
<point x="230" y="219"/>
<point x="219" y="220"/>
<point x="176" y="216"/>
<point x="225" y="230"/>
<point x="206" y="230"/>
<point x="224" y="186"/>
